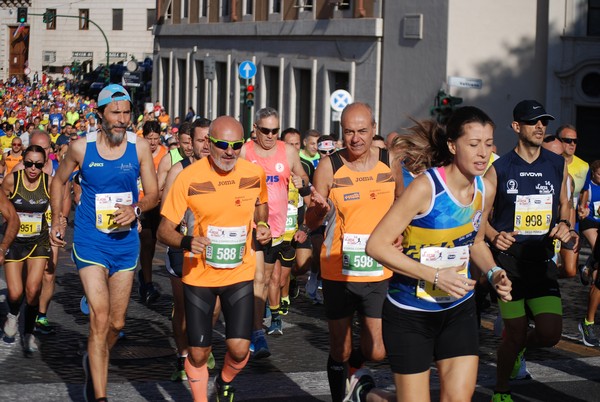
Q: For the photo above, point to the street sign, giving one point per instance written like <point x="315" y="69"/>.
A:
<point x="340" y="98"/>
<point x="463" y="82"/>
<point x="209" y="68"/>
<point x="247" y="70"/>
<point x="66" y="71"/>
<point x="27" y="71"/>
<point x="132" y="79"/>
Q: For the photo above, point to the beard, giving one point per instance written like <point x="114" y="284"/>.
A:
<point x="113" y="139"/>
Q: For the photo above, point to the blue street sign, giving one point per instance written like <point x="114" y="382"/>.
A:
<point x="247" y="70"/>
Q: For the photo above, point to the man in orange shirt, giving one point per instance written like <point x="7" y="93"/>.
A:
<point x="354" y="187"/>
<point x="14" y="156"/>
<point x="219" y="259"/>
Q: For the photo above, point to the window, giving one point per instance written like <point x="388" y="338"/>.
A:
<point x="150" y="18"/>
<point x="224" y="8"/>
<point x="84" y="19"/>
<point x="203" y="8"/>
<point x="593" y="22"/>
<point x="249" y="7"/>
<point x="51" y="18"/>
<point x="275" y="6"/>
<point x="185" y="8"/>
<point x="117" y="19"/>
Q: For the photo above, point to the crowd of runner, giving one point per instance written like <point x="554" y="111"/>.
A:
<point x="410" y="233"/>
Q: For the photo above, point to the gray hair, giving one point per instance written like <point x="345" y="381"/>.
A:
<point x="265" y="113"/>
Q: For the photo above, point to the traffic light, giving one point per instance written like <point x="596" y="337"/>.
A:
<point x="242" y="93"/>
<point x="48" y="17"/>
<point x="444" y="105"/>
<point x="21" y="15"/>
<point x="249" y="98"/>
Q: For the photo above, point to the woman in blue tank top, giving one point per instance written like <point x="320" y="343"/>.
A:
<point x="429" y="314"/>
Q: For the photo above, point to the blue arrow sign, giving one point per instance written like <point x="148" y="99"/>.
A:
<point x="247" y="70"/>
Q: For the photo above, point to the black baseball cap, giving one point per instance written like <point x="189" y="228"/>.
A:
<point x="530" y="110"/>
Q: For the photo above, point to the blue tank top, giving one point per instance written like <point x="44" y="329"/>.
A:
<point x="447" y="224"/>
<point x="527" y="197"/>
<point x="104" y="182"/>
<point x="407" y="176"/>
<point x="593" y="199"/>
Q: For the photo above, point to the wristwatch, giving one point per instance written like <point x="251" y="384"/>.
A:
<point x="137" y="211"/>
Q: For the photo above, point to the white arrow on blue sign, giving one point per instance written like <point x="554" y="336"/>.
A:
<point x="339" y="99"/>
<point x="247" y="70"/>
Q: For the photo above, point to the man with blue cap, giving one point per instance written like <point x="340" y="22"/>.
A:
<point x="105" y="241"/>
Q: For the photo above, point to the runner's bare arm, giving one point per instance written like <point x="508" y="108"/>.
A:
<point x="12" y="224"/>
<point x="322" y="182"/>
<point x="73" y="158"/>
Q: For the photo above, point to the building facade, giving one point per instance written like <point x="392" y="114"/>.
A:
<point x="395" y="54"/>
<point x="81" y="36"/>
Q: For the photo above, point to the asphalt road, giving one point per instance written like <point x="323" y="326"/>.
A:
<point x="142" y="362"/>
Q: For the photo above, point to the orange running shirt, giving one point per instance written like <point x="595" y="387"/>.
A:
<point x="12" y="161"/>
<point x="277" y="170"/>
<point x="223" y="208"/>
<point x="360" y="199"/>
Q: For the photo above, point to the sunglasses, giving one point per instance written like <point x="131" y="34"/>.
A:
<point x="222" y="144"/>
<point x="16" y="144"/>
<point x="267" y="131"/>
<point x="327" y="152"/>
<point x="568" y="140"/>
<point x="534" y="122"/>
<point x="38" y="165"/>
<point x="551" y="138"/>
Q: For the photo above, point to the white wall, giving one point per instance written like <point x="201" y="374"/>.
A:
<point x="503" y="45"/>
<point x="134" y="39"/>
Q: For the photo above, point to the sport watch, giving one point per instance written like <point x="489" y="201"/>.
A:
<point x="137" y="211"/>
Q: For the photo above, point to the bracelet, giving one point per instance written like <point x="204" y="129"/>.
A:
<point x="574" y="231"/>
<point x="186" y="243"/>
<point x="490" y="274"/>
<point x="436" y="278"/>
<point x="566" y="222"/>
<point x="263" y="223"/>
<point x="304" y="228"/>
<point x="304" y="191"/>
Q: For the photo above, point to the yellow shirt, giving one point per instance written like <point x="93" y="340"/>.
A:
<point x="578" y="169"/>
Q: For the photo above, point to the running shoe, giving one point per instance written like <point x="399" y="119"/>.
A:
<point x="179" y="374"/>
<point x="11" y="326"/>
<point x="152" y="294"/>
<point x="519" y="371"/>
<point x="89" y="394"/>
<point x="259" y="348"/>
<point x="30" y="345"/>
<point x="311" y="284"/>
<point x="284" y="307"/>
<point x="276" y="327"/>
<point x="224" y="392"/>
<point x="361" y="383"/>
<point x="43" y="327"/>
<point x="294" y="288"/>
<point x="84" y="306"/>
<point x="588" y="334"/>
<point x="502" y="397"/>
<point x="211" y="362"/>
<point x="584" y="274"/>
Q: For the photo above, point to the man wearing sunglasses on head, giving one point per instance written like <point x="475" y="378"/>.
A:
<point x="226" y="196"/>
<point x="106" y="242"/>
<point x="578" y="168"/>
<point x="531" y="210"/>
<point x="281" y="164"/>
